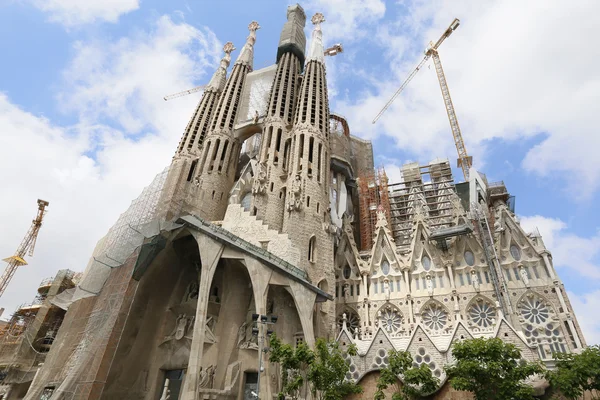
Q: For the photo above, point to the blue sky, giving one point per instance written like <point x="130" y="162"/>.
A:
<point x="83" y="123"/>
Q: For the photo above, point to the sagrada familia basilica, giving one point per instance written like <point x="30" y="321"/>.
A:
<point x="272" y="207"/>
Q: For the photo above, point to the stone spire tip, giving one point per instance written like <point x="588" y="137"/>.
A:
<point x="316" y="46"/>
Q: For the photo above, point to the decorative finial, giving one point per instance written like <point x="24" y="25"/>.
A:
<point x="228" y="48"/>
<point x="318" y="18"/>
<point x="254" y="26"/>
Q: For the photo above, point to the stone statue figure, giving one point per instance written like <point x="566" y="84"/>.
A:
<point x="193" y="290"/>
<point x="295" y="198"/>
<point x="207" y="378"/>
<point x="475" y="280"/>
<point x="181" y="325"/>
<point x="429" y="286"/>
<point x="524" y="276"/>
<point x="246" y="340"/>
<point x="260" y="181"/>
<point x="386" y="288"/>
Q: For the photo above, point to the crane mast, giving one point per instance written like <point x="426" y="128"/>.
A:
<point x="464" y="160"/>
<point x="25" y="248"/>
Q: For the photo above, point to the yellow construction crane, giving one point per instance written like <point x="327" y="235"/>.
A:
<point x="26" y="247"/>
<point x="330" y="52"/>
<point x="464" y="160"/>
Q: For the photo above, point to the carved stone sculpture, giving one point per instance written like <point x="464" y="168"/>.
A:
<point x="475" y="280"/>
<point x="259" y="186"/>
<point x="207" y="378"/>
<point x="246" y="340"/>
<point x="429" y="286"/>
<point x="295" y="197"/>
<point x="524" y="276"/>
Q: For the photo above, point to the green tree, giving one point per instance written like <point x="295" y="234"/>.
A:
<point x="327" y="374"/>
<point x="576" y="373"/>
<point x="322" y="370"/>
<point x="417" y="381"/>
<point x="492" y="370"/>
<point x="294" y="362"/>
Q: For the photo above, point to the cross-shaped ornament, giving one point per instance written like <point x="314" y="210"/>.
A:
<point x="254" y="26"/>
<point x="228" y="48"/>
<point x="318" y="18"/>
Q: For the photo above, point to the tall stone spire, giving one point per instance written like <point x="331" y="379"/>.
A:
<point x="292" y="38"/>
<point x="316" y="43"/>
<point x="218" y="161"/>
<point x="308" y="188"/>
<point x="246" y="56"/>
<point x="276" y="149"/>
<point x="195" y="132"/>
<point x="217" y="81"/>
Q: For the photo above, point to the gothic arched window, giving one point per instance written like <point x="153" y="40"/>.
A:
<point x="385" y="267"/>
<point x="426" y="262"/>
<point x="312" y="243"/>
<point x="469" y="258"/>
<point x="515" y="252"/>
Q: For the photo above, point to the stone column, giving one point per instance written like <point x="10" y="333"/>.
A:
<point x="260" y="277"/>
<point x="365" y="290"/>
<point x="305" y="304"/>
<point x="406" y="281"/>
<point x="210" y="253"/>
<point x="548" y="265"/>
<point x="450" y="275"/>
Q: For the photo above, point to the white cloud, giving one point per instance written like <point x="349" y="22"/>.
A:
<point x="77" y="12"/>
<point x="570" y="251"/>
<point x="346" y="19"/>
<point x="516" y="70"/>
<point x="586" y="309"/>
<point x="90" y="172"/>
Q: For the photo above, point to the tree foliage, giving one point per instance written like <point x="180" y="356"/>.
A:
<point x="576" y="373"/>
<point x="491" y="369"/>
<point x="322" y="370"/>
<point x="417" y="381"/>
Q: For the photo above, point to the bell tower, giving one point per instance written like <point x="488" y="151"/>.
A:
<point x="178" y="195"/>
<point x="218" y="161"/>
<point x="270" y="185"/>
<point x="307" y="203"/>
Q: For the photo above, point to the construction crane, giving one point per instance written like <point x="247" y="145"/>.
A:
<point x="464" y="160"/>
<point x="26" y="247"/>
<point x="331" y="51"/>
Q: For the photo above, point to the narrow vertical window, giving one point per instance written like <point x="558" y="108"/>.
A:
<point x="311" y="248"/>
<point x="192" y="170"/>
<point x="223" y="155"/>
<point x="319" y="163"/>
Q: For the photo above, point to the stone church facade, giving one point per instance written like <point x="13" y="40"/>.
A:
<point x="272" y="207"/>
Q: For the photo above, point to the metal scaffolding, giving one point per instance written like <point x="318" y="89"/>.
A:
<point x="374" y="195"/>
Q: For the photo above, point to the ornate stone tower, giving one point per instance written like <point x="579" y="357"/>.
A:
<point x="218" y="162"/>
<point x="307" y="203"/>
<point x="180" y="188"/>
<point x="275" y="157"/>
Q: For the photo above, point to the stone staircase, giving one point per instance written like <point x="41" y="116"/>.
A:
<point x="249" y="228"/>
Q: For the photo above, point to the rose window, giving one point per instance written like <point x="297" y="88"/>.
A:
<point x="435" y="317"/>
<point x="482" y="314"/>
<point x="390" y="320"/>
<point x="352" y="322"/>
<point x="534" y="310"/>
